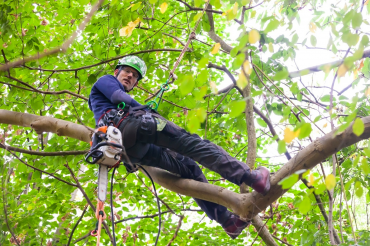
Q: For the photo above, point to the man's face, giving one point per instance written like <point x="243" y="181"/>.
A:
<point x="127" y="77"/>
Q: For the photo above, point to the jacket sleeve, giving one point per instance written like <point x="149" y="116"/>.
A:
<point x="112" y="90"/>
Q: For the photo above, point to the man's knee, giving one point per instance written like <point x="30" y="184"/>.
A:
<point x="147" y="129"/>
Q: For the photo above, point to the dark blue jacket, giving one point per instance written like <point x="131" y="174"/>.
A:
<point x="106" y="94"/>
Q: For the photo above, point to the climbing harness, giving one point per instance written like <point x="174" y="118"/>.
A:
<point x="154" y="104"/>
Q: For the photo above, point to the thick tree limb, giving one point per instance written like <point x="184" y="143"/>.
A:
<point x="251" y="159"/>
<point x="245" y="205"/>
<point x="46" y="124"/>
<point x="321" y="67"/>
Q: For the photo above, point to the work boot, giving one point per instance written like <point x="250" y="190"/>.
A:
<point x="234" y="226"/>
<point x="259" y="180"/>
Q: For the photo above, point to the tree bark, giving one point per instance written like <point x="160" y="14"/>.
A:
<point x="245" y="205"/>
<point x="320" y="68"/>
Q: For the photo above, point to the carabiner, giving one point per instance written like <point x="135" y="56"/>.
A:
<point x="123" y="105"/>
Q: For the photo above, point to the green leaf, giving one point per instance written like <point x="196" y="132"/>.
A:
<point x="153" y="1"/>
<point x="313" y="40"/>
<point x="347" y="164"/>
<point x="238" y="61"/>
<point x="289" y="181"/>
<point x="358" y="127"/>
<point x="325" y="98"/>
<point x="237" y="107"/>
<point x="91" y="79"/>
<point x="261" y="122"/>
<point x="348" y="17"/>
<point x="203" y="75"/>
<point x="357" y="159"/>
<point x="305" y="130"/>
<point x="186" y="84"/>
<point x="273" y="24"/>
<point x="365" y="40"/>
<point x="281" y="146"/>
<point x="365" y="166"/>
<point x="197" y="3"/>
<point x="367" y="152"/>
<point x="203" y="62"/>
<point x="36" y="104"/>
<point x="294" y="39"/>
<point x="356" y="20"/>
<point x="283" y="74"/>
<point x="234" y="51"/>
<point x="136" y="6"/>
<point x="350" y="38"/>
<point x="305" y="205"/>
<point x="317" y="118"/>
<point x="197" y="16"/>
<point x="358" y="189"/>
<point x="320" y="189"/>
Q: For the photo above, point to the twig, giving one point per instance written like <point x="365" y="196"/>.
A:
<point x="35" y="168"/>
<point x="141" y="88"/>
<point x="218" y="104"/>
<point x="174" y="37"/>
<point x="48" y="92"/>
<point x="82" y="238"/>
<point x="163" y="202"/>
<point x="259" y="231"/>
<point x="177" y="230"/>
<point x="47" y="79"/>
<point x="6" y="213"/>
<point x="254" y="66"/>
<point x="31" y="152"/>
<point x="281" y="240"/>
<point x="154" y="215"/>
<point x="6" y="61"/>
<point x="63" y="48"/>
<point x="78" y="221"/>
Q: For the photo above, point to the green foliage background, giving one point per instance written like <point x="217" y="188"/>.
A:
<point x="38" y="205"/>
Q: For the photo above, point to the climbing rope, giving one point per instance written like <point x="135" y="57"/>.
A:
<point x="154" y="104"/>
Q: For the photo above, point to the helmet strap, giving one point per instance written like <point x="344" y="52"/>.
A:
<point x="119" y="71"/>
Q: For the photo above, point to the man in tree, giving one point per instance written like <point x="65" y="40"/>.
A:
<point x="151" y="140"/>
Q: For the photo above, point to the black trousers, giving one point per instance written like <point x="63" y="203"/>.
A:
<point x="175" y="150"/>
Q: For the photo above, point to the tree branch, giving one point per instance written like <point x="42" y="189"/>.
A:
<point x="322" y="67"/>
<point x="212" y="34"/>
<point x="245" y="205"/>
<point x="177" y="230"/>
<point x="35" y="168"/>
<point x="41" y="153"/>
<point x="102" y="62"/>
<point x="74" y="228"/>
<point x="47" y="92"/>
<point x="6" y="213"/>
<point x="63" y="48"/>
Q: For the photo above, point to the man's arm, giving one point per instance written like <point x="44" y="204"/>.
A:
<point x="114" y="91"/>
